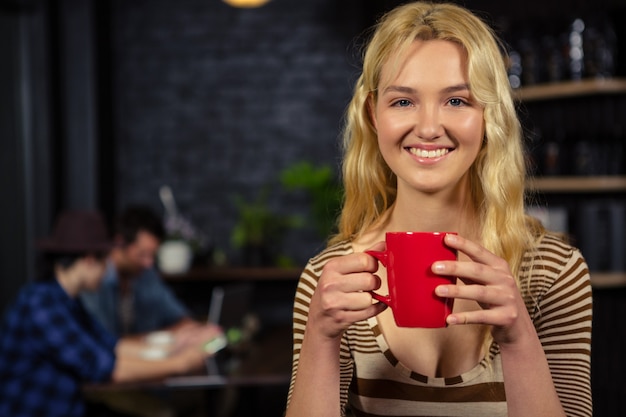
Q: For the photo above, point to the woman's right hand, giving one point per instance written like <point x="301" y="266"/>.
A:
<point x="342" y="295"/>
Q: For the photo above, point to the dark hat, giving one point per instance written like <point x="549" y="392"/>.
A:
<point x="77" y="231"/>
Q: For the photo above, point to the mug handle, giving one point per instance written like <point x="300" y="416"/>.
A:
<point x="382" y="257"/>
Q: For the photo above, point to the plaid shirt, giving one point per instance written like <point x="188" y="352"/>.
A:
<point x="49" y="346"/>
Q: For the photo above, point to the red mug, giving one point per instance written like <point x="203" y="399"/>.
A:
<point x="408" y="258"/>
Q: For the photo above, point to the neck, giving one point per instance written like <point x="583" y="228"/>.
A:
<point x="123" y="276"/>
<point x="437" y="212"/>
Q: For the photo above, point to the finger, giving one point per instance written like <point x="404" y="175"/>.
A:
<point x="348" y="317"/>
<point x="458" y="319"/>
<point x="353" y="283"/>
<point x="353" y="301"/>
<point x="475" y="252"/>
<point x="467" y="317"/>
<point x="486" y="296"/>
<point x="474" y="272"/>
<point x="496" y="317"/>
<point x="355" y="262"/>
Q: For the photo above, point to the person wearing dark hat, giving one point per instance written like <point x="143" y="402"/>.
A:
<point x="50" y="346"/>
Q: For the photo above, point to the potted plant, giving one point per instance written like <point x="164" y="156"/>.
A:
<point x="324" y="191"/>
<point x="259" y="231"/>
<point x="182" y="244"/>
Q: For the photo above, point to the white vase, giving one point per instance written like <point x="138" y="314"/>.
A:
<point x="174" y="257"/>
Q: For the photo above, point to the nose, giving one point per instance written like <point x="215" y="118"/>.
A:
<point x="428" y="124"/>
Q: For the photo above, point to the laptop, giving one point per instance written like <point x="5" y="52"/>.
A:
<point x="228" y="308"/>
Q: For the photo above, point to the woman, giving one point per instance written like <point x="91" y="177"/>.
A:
<point x="432" y="143"/>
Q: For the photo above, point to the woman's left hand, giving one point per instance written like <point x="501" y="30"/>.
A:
<point x="491" y="284"/>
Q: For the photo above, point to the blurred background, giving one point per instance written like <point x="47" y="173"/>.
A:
<point x="239" y="111"/>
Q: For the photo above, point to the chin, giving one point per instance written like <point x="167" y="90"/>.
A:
<point x="430" y="188"/>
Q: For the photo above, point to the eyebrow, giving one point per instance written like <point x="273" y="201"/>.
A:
<point x="410" y="90"/>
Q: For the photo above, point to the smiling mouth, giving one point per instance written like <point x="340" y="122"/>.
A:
<point x="435" y="153"/>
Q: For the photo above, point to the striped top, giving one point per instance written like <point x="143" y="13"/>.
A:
<point x="375" y="383"/>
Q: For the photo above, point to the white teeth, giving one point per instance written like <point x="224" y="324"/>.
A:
<point x="423" y="153"/>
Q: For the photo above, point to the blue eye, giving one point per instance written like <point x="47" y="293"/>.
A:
<point x="402" y="103"/>
<point x="456" y="102"/>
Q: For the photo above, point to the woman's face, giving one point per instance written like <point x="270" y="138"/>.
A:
<point x="429" y="127"/>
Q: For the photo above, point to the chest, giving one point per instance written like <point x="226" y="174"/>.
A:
<point x="442" y="353"/>
<point x="445" y="352"/>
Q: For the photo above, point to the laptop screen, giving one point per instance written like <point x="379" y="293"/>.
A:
<point x="229" y="306"/>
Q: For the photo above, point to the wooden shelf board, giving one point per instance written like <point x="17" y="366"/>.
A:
<point x="578" y="184"/>
<point x="237" y="274"/>
<point x="571" y="89"/>
<point x="608" y="279"/>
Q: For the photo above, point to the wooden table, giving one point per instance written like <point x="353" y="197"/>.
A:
<point x="257" y="386"/>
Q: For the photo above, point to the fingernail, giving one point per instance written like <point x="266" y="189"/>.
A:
<point x="439" y="267"/>
<point x="451" y="238"/>
<point x="442" y="290"/>
<point x="452" y="319"/>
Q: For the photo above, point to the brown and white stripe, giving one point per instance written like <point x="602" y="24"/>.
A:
<point x="557" y="293"/>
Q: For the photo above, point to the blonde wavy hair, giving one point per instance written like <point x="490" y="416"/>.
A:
<point x="497" y="177"/>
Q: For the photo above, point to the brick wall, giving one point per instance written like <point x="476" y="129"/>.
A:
<point x="215" y="101"/>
